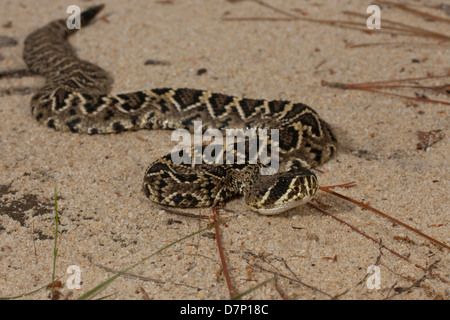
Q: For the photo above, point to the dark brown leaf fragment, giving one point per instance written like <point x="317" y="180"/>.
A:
<point x="428" y="138"/>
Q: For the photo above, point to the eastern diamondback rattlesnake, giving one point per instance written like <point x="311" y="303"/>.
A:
<point x="76" y="98"/>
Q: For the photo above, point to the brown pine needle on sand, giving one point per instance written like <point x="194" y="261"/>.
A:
<point x="385" y="215"/>
<point x="328" y="189"/>
<point x="374" y="86"/>
<point x="380" y="244"/>
<point x="366" y="206"/>
<point x="226" y="273"/>
<point x="389" y="26"/>
<point x="425" y="15"/>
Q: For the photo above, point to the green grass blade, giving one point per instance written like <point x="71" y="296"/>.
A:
<point x="239" y="296"/>
<point x="31" y="292"/>
<point x="102" y="285"/>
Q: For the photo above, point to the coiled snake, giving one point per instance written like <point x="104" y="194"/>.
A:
<point x="76" y="98"/>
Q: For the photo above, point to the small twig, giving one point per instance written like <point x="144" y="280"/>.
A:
<point x="400" y="290"/>
<point x="401" y="27"/>
<point x="416" y="12"/>
<point x="276" y="273"/>
<point x="364" y="84"/>
<point x="363" y="205"/>
<point x="283" y="294"/>
<point x="275" y="9"/>
<point x="377" y="242"/>
<point x="214" y="210"/>
<point x="184" y="214"/>
<point x="407" y="97"/>
<point x="231" y="289"/>
<point x="55" y="247"/>
<point x="344" y="185"/>
<point x="369" y="86"/>
<point x="107" y="282"/>
<point x="32" y="238"/>
<point x="444" y="89"/>
<point x="397" y="44"/>
<point x="145" y="295"/>
<point x="392" y="27"/>
<point x="130" y="275"/>
<point x="376" y="263"/>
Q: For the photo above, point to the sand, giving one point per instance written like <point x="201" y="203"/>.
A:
<point x="107" y="224"/>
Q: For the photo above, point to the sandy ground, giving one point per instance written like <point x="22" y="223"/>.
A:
<point x="107" y="223"/>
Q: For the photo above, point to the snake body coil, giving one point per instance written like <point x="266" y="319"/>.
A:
<point x="76" y="98"/>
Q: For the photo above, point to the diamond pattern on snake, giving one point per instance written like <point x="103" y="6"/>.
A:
<point x="76" y="97"/>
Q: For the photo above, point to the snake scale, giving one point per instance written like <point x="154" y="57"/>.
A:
<point x="76" y="98"/>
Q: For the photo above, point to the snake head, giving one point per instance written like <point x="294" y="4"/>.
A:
<point x="280" y="192"/>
